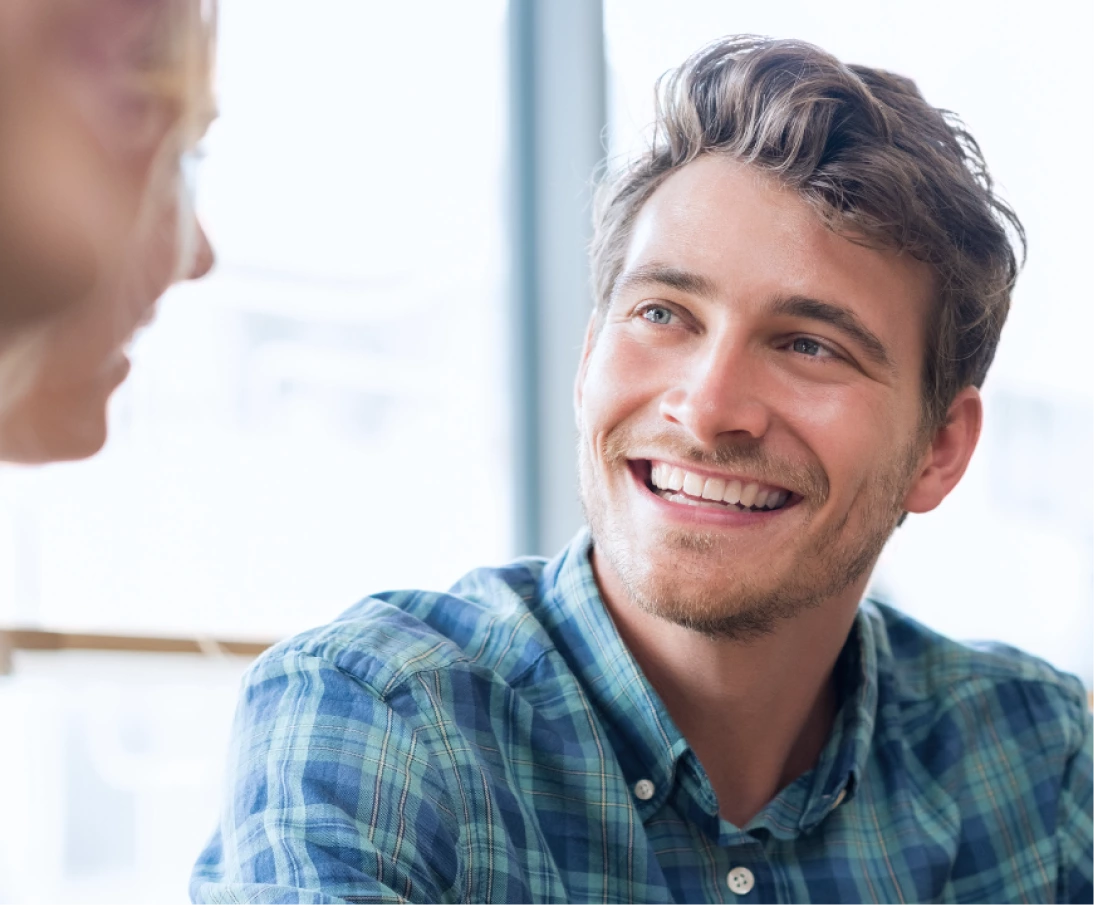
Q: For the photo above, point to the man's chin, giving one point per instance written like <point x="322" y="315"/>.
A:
<point x="684" y="580"/>
<point x="719" y="623"/>
<point x="725" y="611"/>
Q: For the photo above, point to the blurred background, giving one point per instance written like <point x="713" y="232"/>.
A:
<point x="373" y="388"/>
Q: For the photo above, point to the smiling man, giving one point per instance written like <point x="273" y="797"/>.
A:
<point x="800" y="287"/>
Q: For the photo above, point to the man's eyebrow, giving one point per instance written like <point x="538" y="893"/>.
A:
<point x="663" y="275"/>
<point x="795" y="306"/>
<point x="839" y="317"/>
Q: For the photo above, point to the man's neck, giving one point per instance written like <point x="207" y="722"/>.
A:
<point x="756" y="713"/>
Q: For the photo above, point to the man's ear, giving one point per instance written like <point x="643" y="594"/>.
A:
<point x="945" y="460"/>
<point x="586" y="350"/>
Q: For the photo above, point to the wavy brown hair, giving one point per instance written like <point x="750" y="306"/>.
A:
<point x="875" y="161"/>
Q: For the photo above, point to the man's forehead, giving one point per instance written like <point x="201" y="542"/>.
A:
<point x="725" y="230"/>
<point x="715" y="198"/>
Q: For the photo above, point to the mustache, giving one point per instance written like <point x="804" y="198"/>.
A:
<point x="805" y="478"/>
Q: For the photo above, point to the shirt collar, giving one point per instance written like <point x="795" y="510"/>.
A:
<point x="843" y="759"/>
<point x="646" y="741"/>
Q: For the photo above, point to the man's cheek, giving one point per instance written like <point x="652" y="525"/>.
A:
<point x="622" y="375"/>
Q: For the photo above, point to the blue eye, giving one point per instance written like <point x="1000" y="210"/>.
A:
<point x="657" y="314"/>
<point x="806" y="346"/>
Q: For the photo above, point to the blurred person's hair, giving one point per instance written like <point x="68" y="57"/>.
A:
<point x="877" y="163"/>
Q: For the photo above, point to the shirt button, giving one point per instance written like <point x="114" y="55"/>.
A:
<point x="644" y="789"/>
<point x="740" y="880"/>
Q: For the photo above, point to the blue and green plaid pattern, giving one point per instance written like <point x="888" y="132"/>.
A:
<point x="485" y="745"/>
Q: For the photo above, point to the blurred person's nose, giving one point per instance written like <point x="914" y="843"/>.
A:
<point x="204" y="256"/>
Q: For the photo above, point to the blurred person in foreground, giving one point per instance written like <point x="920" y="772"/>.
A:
<point x="799" y="288"/>
<point x="102" y="105"/>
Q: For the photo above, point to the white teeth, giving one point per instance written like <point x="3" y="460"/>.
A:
<point x="733" y="492"/>
<point x="713" y="489"/>
<point x="718" y="490"/>
<point x="749" y="494"/>
<point x="693" y="484"/>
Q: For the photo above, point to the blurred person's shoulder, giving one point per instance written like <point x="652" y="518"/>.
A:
<point x="960" y="704"/>
<point x="484" y="624"/>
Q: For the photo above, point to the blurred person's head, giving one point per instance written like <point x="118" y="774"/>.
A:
<point x="799" y="286"/>
<point x="102" y="105"/>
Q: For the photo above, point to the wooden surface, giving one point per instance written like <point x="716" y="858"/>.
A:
<point x="13" y="639"/>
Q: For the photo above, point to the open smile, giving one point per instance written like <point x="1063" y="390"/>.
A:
<point x="738" y="499"/>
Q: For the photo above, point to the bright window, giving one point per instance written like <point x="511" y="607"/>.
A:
<point x="326" y="415"/>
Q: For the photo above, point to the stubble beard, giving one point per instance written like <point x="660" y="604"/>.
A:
<point x="751" y="603"/>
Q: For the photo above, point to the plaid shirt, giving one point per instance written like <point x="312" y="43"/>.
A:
<point x="500" y="744"/>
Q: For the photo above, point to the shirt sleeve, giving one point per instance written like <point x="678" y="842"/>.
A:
<point x="1076" y="819"/>
<point x="330" y="797"/>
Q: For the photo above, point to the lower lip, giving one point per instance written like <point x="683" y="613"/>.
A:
<point x="703" y="516"/>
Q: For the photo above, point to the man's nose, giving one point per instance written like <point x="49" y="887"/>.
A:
<point x="204" y="256"/>
<point x="718" y="394"/>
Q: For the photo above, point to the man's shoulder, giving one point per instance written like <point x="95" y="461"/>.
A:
<point x="486" y="622"/>
<point x="973" y="688"/>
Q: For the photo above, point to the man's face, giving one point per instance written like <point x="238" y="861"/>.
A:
<point x="748" y="353"/>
